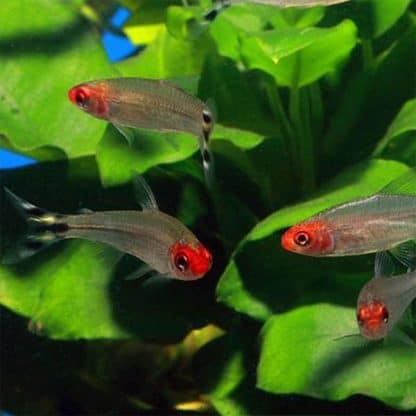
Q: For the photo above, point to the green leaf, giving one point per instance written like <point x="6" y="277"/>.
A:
<point x="72" y="283"/>
<point x="226" y="28"/>
<point x="403" y="123"/>
<point x="302" y="353"/>
<point x="24" y="18"/>
<point x="37" y="72"/>
<point x="373" y="17"/>
<point x="287" y="51"/>
<point x="289" y="55"/>
<point x="262" y="278"/>
<point x="168" y="57"/>
<point x="249" y="19"/>
<point x="117" y="160"/>
<point x="240" y="138"/>
<point x="185" y="22"/>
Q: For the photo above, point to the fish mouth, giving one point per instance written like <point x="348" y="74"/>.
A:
<point x="79" y="96"/>
<point x="286" y="241"/>
<point x="373" y="330"/>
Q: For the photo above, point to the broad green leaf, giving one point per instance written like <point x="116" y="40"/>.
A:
<point x="24" y="18"/>
<point x="240" y="138"/>
<point x="117" y="160"/>
<point x="185" y="22"/>
<point x="168" y="57"/>
<point x="289" y="55"/>
<point x="226" y="28"/>
<point x="302" y="353"/>
<point x="262" y="278"/>
<point x="403" y="123"/>
<point x="40" y="153"/>
<point x="373" y="17"/>
<point x="38" y="70"/>
<point x="384" y="15"/>
<point x="72" y="284"/>
<point x="229" y="27"/>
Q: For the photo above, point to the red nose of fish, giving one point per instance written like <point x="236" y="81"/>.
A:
<point x="202" y="262"/>
<point x="287" y="240"/>
<point x="79" y="95"/>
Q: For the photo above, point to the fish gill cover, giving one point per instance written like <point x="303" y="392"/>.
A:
<point x="313" y="107"/>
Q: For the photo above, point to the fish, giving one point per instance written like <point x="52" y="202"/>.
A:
<point x="223" y="4"/>
<point x="362" y="226"/>
<point x="291" y="3"/>
<point x="147" y="104"/>
<point x="383" y="300"/>
<point x="161" y="241"/>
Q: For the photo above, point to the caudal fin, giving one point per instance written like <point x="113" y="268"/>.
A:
<point x="44" y="228"/>
<point x="218" y="8"/>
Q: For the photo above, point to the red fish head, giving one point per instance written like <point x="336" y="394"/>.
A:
<point x="190" y="262"/>
<point x="313" y="238"/>
<point x="90" y="98"/>
<point x="373" y="318"/>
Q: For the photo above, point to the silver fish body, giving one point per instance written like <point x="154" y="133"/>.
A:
<point x="147" y="234"/>
<point x="371" y="224"/>
<point x="291" y="3"/>
<point x="363" y="226"/>
<point x="147" y="104"/>
<point x="156" y="238"/>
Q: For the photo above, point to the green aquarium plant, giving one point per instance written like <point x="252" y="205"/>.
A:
<point x="313" y="107"/>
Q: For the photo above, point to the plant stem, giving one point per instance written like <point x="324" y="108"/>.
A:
<point x="316" y="108"/>
<point x="305" y="154"/>
<point x="308" y="148"/>
<point x="277" y="107"/>
<point x="368" y="54"/>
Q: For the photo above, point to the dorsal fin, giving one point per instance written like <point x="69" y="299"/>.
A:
<point x="143" y="193"/>
<point x="404" y="184"/>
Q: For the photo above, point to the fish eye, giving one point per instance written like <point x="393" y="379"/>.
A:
<point x="81" y="97"/>
<point x="206" y="116"/>
<point x="302" y="238"/>
<point x="181" y="262"/>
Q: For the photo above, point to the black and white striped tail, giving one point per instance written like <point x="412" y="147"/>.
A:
<point x="204" y="144"/>
<point x="218" y="8"/>
<point x="44" y="229"/>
